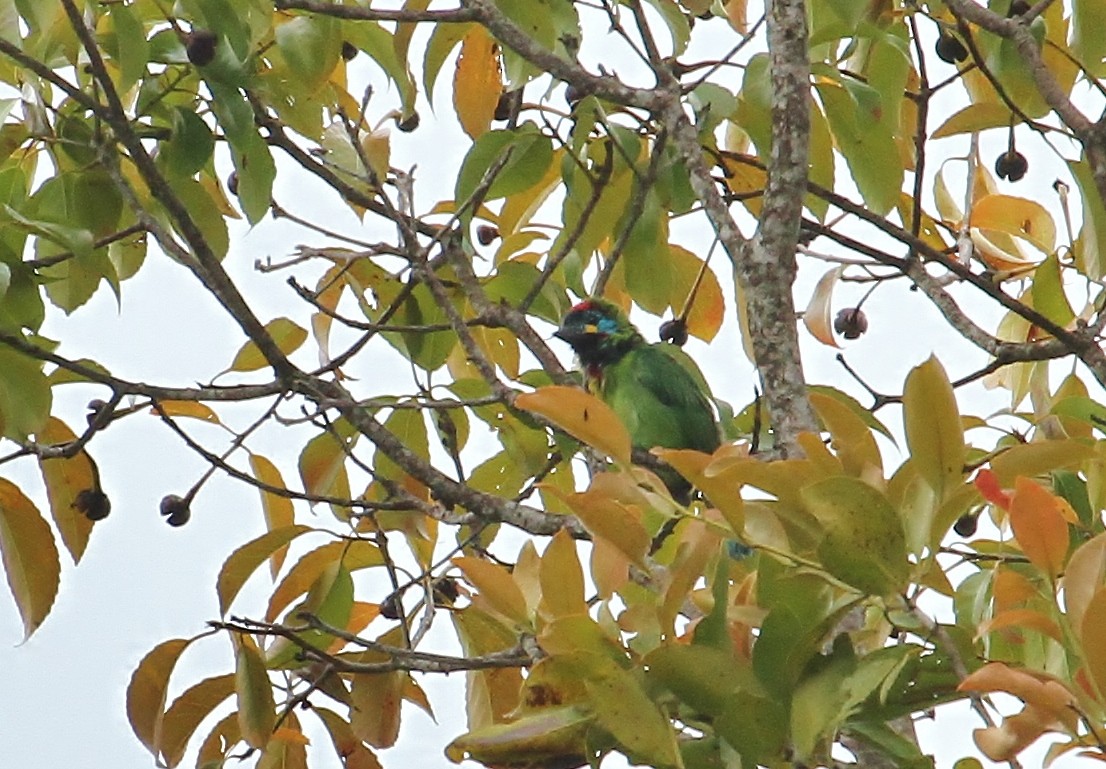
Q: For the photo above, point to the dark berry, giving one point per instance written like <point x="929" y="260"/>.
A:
<point x="391" y="607"/>
<point x="486" y="234"/>
<point x="850" y="322"/>
<point x="446" y="591"/>
<point x="573" y="95"/>
<point x="950" y="50"/>
<point x="674" y="331"/>
<point x="96" y="409"/>
<point x="232" y="182"/>
<point x="409" y="123"/>
<point x="200" y="46"/>
<point x="966" y="524"/>
<point x="1011" y="165"/>
<point x="1018" y="8"/>
<point x="93" y="503"/>
<point x="504" y="107"/>
<point x="349" y="50"/>
<point x="175" y="509"/>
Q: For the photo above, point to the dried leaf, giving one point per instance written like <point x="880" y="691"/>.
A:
<point x="818" y="317"/>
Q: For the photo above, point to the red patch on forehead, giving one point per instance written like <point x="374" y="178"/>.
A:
<point x="587" y="304"/>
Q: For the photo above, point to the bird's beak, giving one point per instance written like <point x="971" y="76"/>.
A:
<point x="574" y="334"/>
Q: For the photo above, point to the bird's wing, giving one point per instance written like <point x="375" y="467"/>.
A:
<point x="652" y="377"/>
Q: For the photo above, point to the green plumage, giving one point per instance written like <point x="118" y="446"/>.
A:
<point x="655" y="389"/>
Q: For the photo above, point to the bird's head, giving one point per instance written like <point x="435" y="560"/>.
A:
<point x="598" y="331"/>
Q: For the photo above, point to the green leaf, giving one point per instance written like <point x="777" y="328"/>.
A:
<point x="131" y="49"/>
<point x="29" y="556"/>
<point x="409" y="426"/>
<point x="531" y="153"/>
<point x="311" y="45"/>
<point x="256" y="709"/>
<point x="864" y="135"/>
<point x="190" y="145"/>
<point x="25" y="395"/>
<point x="286" y="334"/>
<point x="1088" y="44"/>
<point x="1048" y="295"/>
<point x="864" y="544"/>
<point x="1090" y="245"/>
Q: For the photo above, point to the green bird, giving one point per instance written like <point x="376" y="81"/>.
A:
<point x="650" y="387"/>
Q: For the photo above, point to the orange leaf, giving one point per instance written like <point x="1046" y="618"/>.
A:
<point x="354" y="555"/>
<point x="1037" y="690"/>
<point x="1039" y="526"/>
<point x="29" y="555"/>
<point x="1018" y="217"/>
<point x="477" y="83"/>
<point x="987" y="484"/>
<point x="705" y="317"/>
<point x="497" y="589"/>
<point x="582" y="415"/>
<point x="1022" y="618"/>
<point x="65" y="479"/>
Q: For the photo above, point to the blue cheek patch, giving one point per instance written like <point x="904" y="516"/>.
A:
<point x="607" y="326"/>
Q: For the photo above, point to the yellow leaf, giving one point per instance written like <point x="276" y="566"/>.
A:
<point x="735" y="12"/>
<point x="818" y="314"/>
<point x="1039" y="526"/>
<point x="375" y="701"/>
<point x="582" y="415"/>
<point x="240" y="564"/>
<point x="286" y="335"/>
<point x="933" y="431"/>
<point x="610" y="521"/>
<point x="477" y="83"/>
<point x="562" y="579"/>
<point x="352" y="751"/>
<point x="1030" y="459"/>
<point x="188" y="409"/>
<point x="187" y="712"/>
<point x="1091" y="632"/>
<point x="975" y="117"/>
<point x="358" y="554"/>
<point x="723" y="489"/>
<point x="29" y="555"/>
<point x="852" y="438"/>
<point x="278" y="509"/>
<point x="66" y="479"/>
<point x="1010" y="263"/>
<point x="256" y="709"/>
<point x="1018" y="217"/>
<point x="1085" y="574"/>
<point x="705" y="317"/>
<point x="497" y="589"/>
<point x="147" y="690"/>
